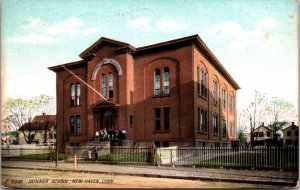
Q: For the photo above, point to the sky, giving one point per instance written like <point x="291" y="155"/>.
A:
<point x="255" y="40"/>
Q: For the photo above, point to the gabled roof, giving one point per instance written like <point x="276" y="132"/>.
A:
<point x="121" y="46"/>
<point x="291" y="126"/>
<point x="264" y="127"/>
<point x="39" y="122"/>
<point x="103" y="40"/>
<point x="105" y="103"/>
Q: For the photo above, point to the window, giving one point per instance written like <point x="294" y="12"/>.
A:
<point x="203" y="83"/>
<point x="131" y="120"/>
<point x="268" y="134"/>
<point x="166" y="81"/>
<point x="78" y="94"/>
<point x="75" y="124"/>
<point x="224" y="96"/>
<point x="297" y="133"/>
<point x="224" y="132"/>
<point x="288" y="142"/>
<point x="261" y="134"/>
<point x="288" y="133"/>
<point x="111" y="85"/>
<point x="77" y="131"/>
<point x="166" y="118"/>
<point x="215" y="123"/>
<point x="157" y="82"/>
<point x="103" y="77"/>
<point x="157" y="119"/>
<point x="72" y="124"/>
<point x="231" y="129"/>
<point x="165" y="121"/>
<point x="72" y="94"/>
<point x="198" y="80"/>
<point x="202" y="120"/>
<point x="75" y="94"/>
<point x="231" y="103"/>
<point x="255" y="134"/>
<point x="215" y="92"/>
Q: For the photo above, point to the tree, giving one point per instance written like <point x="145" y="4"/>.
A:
<point x="20" y="114"/>
<point x="256" y="113"/>
<point x="45" y="105"/>
<point x="279" y="112"/>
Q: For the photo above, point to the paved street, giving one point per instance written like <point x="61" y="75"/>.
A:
<point x="52" y="179"/>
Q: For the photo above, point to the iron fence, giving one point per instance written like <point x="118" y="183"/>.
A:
<point x="106" y="153"/>
<point x="237" y="157"/>
<point x="28" y="153"/>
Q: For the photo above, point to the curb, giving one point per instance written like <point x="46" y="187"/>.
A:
<point x="279" y="183"/>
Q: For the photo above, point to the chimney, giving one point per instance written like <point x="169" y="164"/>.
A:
<point x="263" y="123"/>
<point x="293" y="123"/>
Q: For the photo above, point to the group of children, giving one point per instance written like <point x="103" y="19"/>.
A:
<point x="104" y="135"/>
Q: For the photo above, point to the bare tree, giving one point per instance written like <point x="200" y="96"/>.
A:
<point x="45" y="107"/>
<point x="256" y="112"/>
<point x="279" y="112"/>
<point x="20" y="114"/>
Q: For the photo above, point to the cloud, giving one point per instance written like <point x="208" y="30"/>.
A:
<point x="169" y="25"/>
<point x="33" y="38"/>
<point x="140" y="23"/>
<point x="162" y="25"/>
<point x="71" y="27"/>
<point x="241" y="39"/>
<point x="32" y="23"/>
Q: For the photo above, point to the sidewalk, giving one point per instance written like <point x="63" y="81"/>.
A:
<point x="280" y="178"/>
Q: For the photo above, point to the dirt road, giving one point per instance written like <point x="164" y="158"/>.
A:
<point x="20" y="178"/>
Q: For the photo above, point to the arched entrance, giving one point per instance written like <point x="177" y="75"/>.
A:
<point x="105" y="116"/>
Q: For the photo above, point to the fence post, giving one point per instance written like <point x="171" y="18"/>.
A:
<point x="153" y="155"/>
<point x="75" y="161"/>
<point x="66" y="153"/>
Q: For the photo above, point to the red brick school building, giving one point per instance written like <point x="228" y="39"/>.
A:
<point x="170" y="93"/>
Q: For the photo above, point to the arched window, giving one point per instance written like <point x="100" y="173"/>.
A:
<point x="166" y="81"/>
<point x="215" y="92"/>
<point x="231" y="99"/>
<point x="103" y="77"/>
<point x="157" y="82"/>
<point x="224" y="97"/>
<point x="111" y="85"/>
<point x="78" y="94"/>
<point x="72" y="89"/>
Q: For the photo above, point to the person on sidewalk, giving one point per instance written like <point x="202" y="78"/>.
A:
<point x="96" y="153"/>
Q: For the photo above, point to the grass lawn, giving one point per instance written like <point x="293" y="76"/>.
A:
<point x="45" y="156"/>
<point x="257" y="160"/>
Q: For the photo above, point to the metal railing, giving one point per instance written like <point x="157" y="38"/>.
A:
<point x="28" y="153"/>
<point x="133" y="154"/>
<point x="237" y="157"/>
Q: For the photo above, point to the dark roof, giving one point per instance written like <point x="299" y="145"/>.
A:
<point x="122" y="46"/>
<point x="291" y="126"/>
<point x="264" y="127"/>
<point x="103" y="40"/>
<point x="71" y="65"/>
<point x="38" y="123"/>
